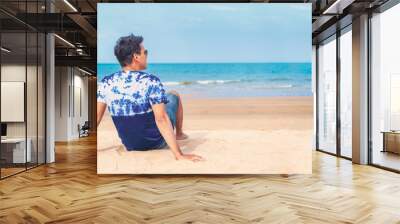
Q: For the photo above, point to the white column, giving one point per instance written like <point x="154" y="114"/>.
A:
<point x="360" y="90"/>
<point x="50" y="100"/>
<point x="50" y="92"/>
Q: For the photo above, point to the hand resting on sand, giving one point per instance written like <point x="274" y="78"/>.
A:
<point x="191" y="157"/>
<point x="165" y="127"/>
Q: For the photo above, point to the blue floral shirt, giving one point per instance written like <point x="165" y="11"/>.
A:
<point x="129" y="97"/>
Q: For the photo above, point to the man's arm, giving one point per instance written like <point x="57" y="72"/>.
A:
<point x="164" y="125"/>
<point x="101" y="107"/>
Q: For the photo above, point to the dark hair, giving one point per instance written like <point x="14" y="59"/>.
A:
<point x="125" y="48"/>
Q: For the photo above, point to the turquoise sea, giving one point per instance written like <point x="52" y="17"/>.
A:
<point x="229" y="79"/>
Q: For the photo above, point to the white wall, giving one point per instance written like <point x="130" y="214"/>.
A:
<point x="15" y="72"/>
<point x="62" y="81"/>
<point x="80" y="97"/>
<point x="71" y="87"/>
<point x="33" y="127"/>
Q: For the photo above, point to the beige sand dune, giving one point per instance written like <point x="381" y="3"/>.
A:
<point x="235" y="136"/>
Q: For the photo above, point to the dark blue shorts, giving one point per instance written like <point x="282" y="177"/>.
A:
<point x="172" y="108"/>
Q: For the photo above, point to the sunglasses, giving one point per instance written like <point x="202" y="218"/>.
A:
<point x="145" y="52"/>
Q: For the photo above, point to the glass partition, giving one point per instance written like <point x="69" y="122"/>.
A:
<point x="385" y="89"/>
<point x="327" y="95"/>
<point x="22" y="78"/>
<point x="13" y="94"/>
<point x="41" y="96"/>
<point x="31" y="97"/>
<point x="346" y="93"/>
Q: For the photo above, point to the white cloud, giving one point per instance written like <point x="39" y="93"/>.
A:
<point x="224" y="8"/>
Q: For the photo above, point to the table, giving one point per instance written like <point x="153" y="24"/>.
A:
<point x="391" y="141"/>
<point x="15" y="148"/>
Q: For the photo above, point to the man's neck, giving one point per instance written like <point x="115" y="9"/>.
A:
<point x="131" y="68"/>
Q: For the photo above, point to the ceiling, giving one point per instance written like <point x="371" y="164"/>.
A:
<point x="75" y="21"/>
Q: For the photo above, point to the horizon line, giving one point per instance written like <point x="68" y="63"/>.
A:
<point x="297" y="62"/>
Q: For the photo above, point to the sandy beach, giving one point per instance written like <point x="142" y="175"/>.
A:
<point x="258" y="135"/>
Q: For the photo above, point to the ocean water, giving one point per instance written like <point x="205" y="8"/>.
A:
<point x="229" y="79"/>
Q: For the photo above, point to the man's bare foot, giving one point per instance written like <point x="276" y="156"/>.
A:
<point x="181" y="136"/>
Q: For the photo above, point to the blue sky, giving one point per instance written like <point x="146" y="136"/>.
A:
<point x="215" y="32"/>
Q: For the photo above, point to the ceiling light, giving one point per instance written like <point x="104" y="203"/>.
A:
<point x="70" y="5"/>
<point x="338" y="6"/>
<point x="5" y="50"/>
<point x="84" y="71"/>
<point x="64" y="40"/>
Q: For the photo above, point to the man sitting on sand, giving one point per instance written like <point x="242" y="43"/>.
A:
<point x="143" y="114"/>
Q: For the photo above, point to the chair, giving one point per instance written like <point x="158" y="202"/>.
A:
<point x="84" y="130"/>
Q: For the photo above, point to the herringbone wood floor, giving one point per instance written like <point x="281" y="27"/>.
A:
<point x="70" y="191"/>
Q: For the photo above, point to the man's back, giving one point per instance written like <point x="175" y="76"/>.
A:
<point x="129" y="96"/>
